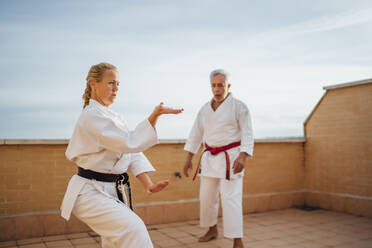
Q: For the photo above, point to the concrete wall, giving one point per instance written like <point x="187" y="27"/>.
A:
<point x="338" y="151"/>
<point x="33" y="179"/>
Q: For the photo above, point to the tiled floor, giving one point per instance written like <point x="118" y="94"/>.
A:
<point x="283" y="228"/>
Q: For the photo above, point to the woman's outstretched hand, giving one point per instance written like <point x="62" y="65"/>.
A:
<point x="160" y="110"/>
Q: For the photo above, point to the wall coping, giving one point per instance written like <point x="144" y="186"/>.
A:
<point x="333" y="87"/>
<point x="161" y="141"/>
<point x="313" y="110"/>
<point x="281" y="140"/>
<point x="348" y="84"/>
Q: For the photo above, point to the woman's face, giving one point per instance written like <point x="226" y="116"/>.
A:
<point x="105" y="91"/>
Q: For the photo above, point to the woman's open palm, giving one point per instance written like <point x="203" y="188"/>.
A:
<point x="161" y="109"/>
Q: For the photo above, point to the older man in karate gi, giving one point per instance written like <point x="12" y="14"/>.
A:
<point x="224" y="126"/>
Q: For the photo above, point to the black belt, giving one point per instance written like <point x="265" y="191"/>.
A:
<point x="120" y="181"/>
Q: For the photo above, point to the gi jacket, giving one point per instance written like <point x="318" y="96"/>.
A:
<point x="230" y="122"/>
<point x="102" y="142"/>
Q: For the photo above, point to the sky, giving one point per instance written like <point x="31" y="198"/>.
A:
<point x="279" y="55"/>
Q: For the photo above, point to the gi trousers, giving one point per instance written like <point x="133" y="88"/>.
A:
<point x="231" y="199"/>
<point x="97" y="205"/>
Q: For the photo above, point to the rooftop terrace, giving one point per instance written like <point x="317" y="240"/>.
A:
<point x="329" y="169"/>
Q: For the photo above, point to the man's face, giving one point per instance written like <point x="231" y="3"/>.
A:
<point x="219" y="87"/>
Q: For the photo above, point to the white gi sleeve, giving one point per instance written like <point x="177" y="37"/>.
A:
<point x="140" y="164"/>
<point x="196" y="135"/>
<point x="112" y="136"/>
<point x="245" y="124"/>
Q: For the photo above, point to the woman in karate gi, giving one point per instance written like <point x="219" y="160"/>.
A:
<point x="103" y="148"/>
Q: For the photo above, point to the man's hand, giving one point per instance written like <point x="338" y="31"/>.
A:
<point x="239" y="163"/>
<point x="187" y="167"/>
<point x="188" y="164"/>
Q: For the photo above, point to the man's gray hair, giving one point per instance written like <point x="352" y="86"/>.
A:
<point x="218" y="72"/>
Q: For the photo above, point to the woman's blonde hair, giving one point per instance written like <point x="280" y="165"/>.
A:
<point x="95" y="73"/>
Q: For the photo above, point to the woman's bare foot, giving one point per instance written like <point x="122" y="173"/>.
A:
<point x="159" y="186"/>
<point x="210" y="235"/>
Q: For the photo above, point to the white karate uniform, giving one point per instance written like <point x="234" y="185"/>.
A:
<point x="101" y="142"/>
<point x="230" y="122"/>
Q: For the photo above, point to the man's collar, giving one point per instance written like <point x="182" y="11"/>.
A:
<point x="228" y="96"/>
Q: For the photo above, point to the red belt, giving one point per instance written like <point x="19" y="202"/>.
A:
<point x="215" y="151"/>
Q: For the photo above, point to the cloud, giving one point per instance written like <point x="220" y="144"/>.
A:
<point x="324" y="23"/>
<point x="332" y="22"/>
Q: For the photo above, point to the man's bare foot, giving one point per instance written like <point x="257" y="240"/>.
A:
<point x="210" y="235"/>
<point x="238" y="243"/>
<point x="159" y="186"/>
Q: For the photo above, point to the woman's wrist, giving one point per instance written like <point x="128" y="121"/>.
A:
<point x="153" y="118"/>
